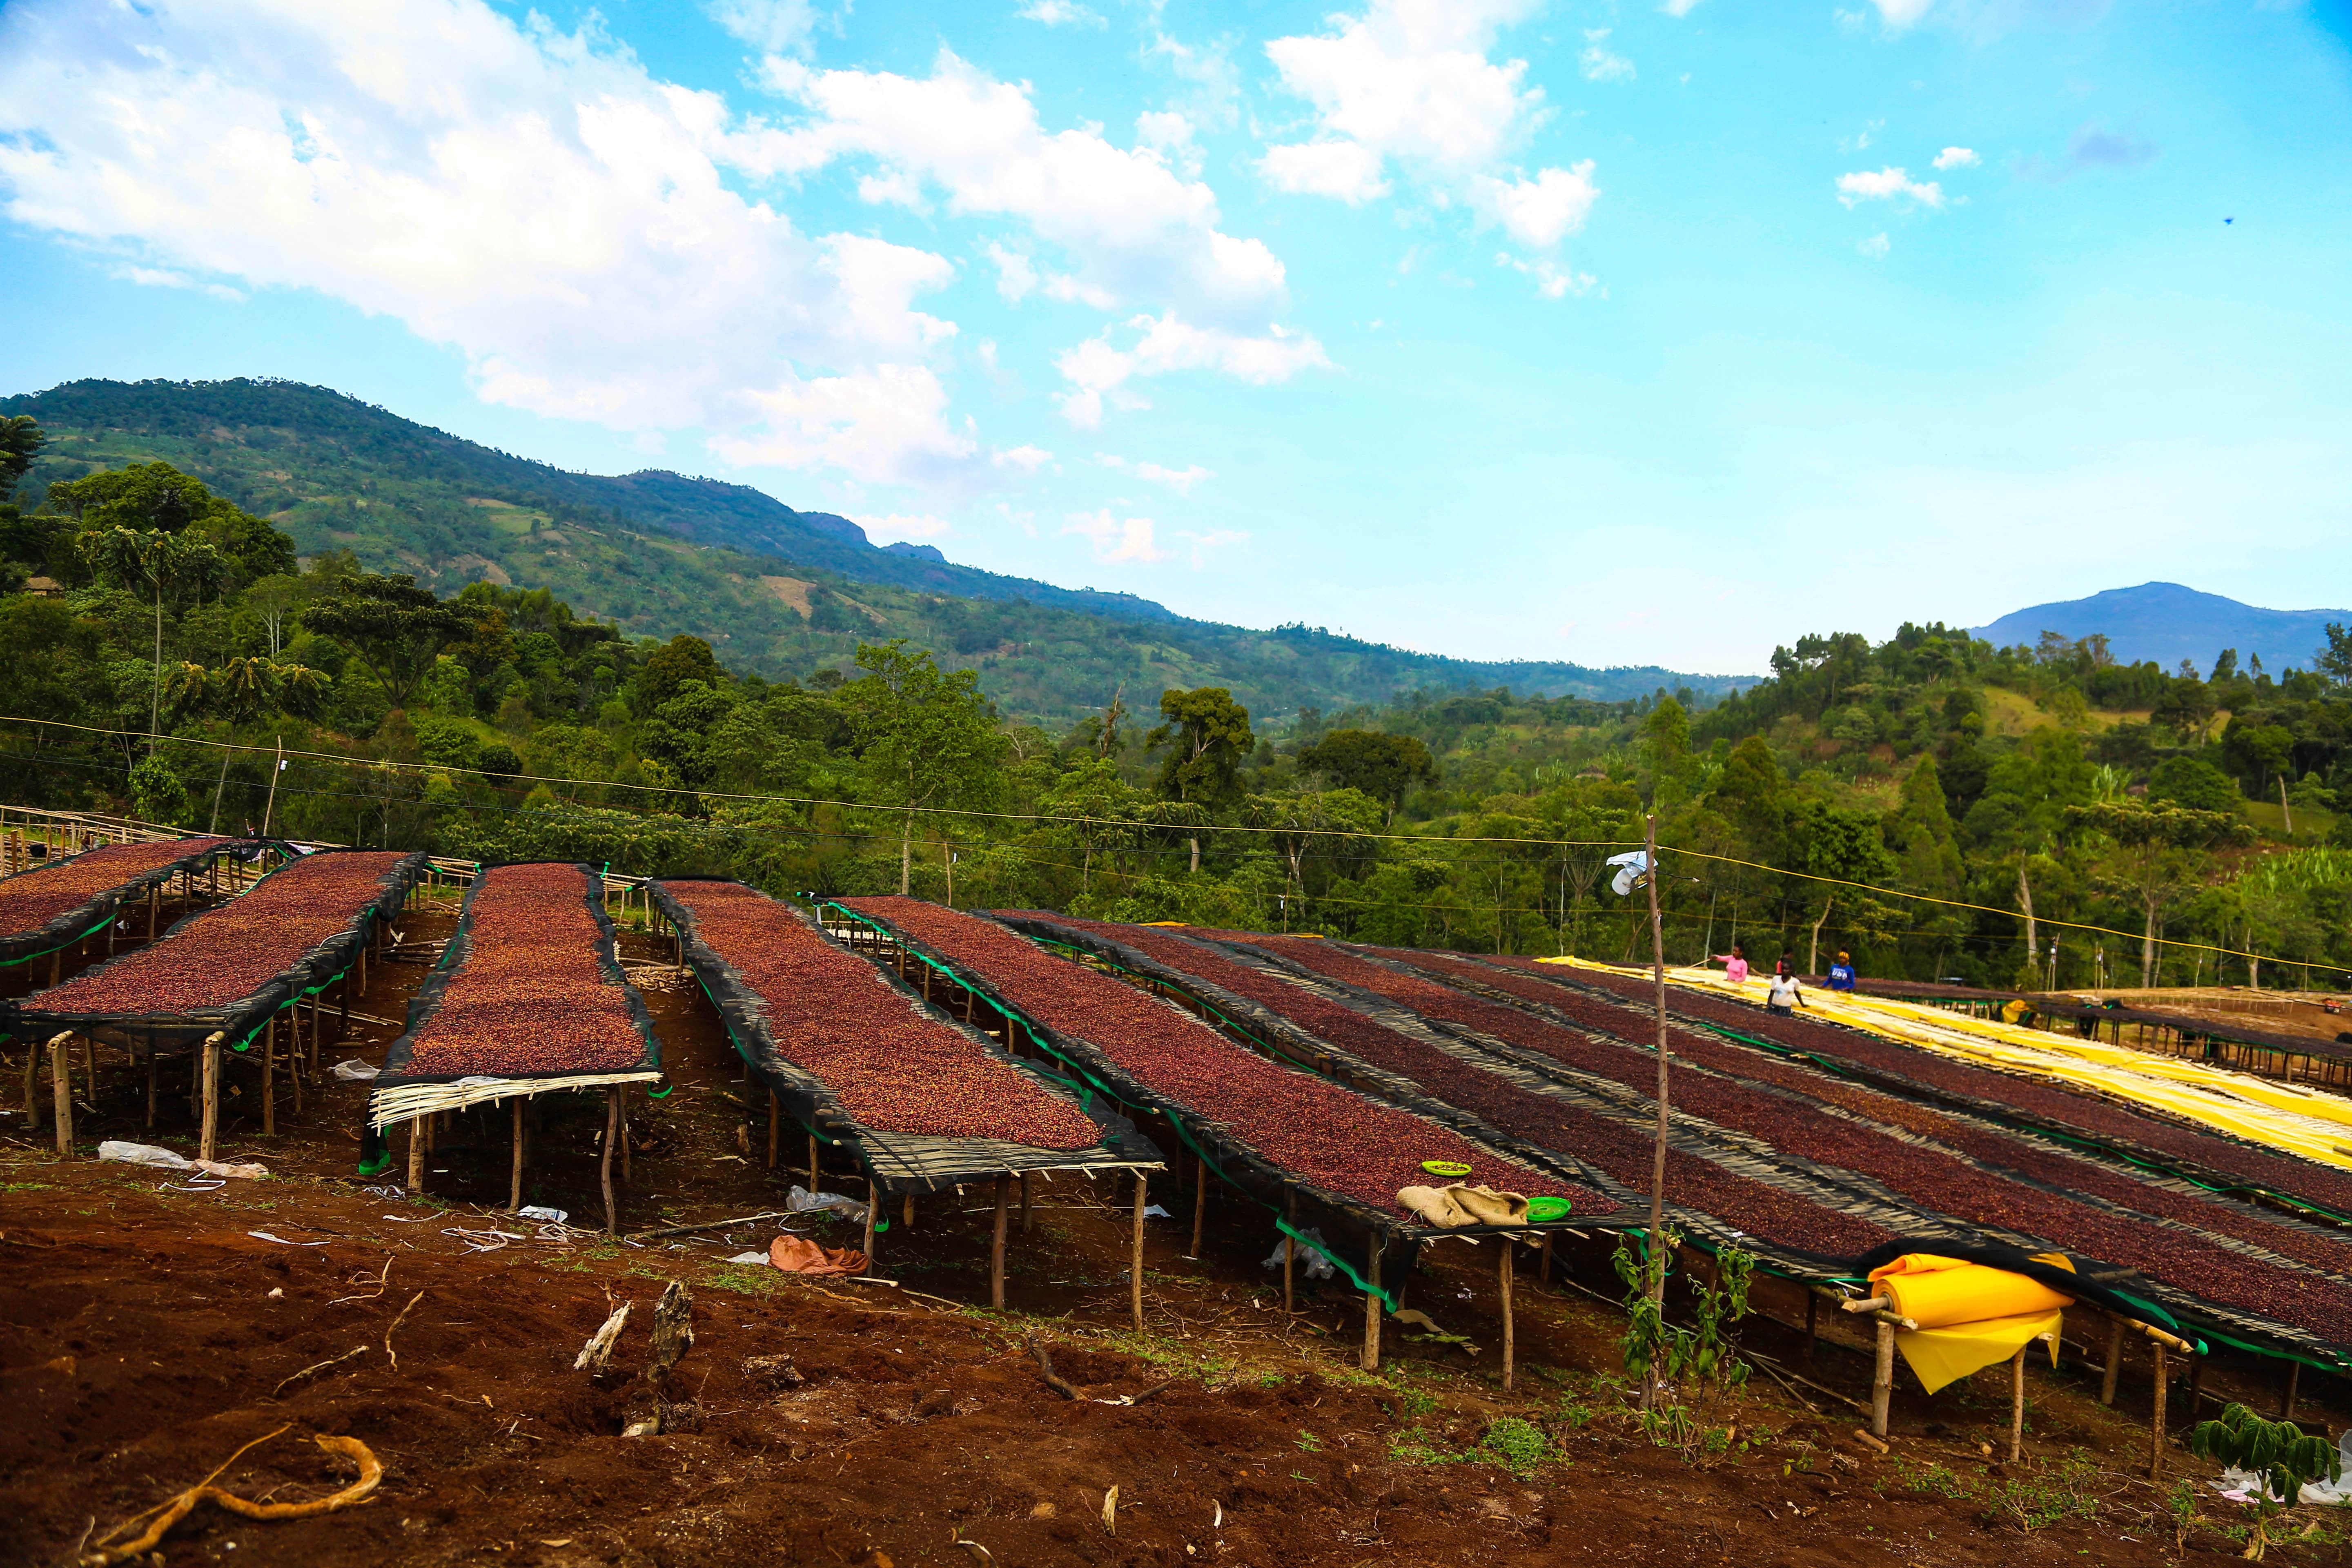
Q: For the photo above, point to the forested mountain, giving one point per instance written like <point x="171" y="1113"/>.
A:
<point x="779" y="593"/>
<point x="2166" y="623"/>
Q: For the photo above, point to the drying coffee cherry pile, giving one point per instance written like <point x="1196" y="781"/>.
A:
<point x="1965" y="1188"/>
<point x="1329" y="1137"/>
<point x="31" y="899"/>
<point x="893" y="1067"/>
<point x="1624" y="1152"/>
<point x="2054" y="1105"/>
<point x="531" y="994"/>
<point x="221" y="956"/>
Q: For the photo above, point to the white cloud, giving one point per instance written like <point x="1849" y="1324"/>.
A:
<point x="1061" y="14"/>
<point x="1599" y="63"/>
<point x="1676" y="8"/>
<point x="1215" y="539"/>
<point x="1117" y="539"/>
<point x="1349" y="171"/>
<point x="1887" y="184"/>
<point x="1956" y="158"/>
<point x="1875" y="247"/>
<point x="1016" y="275"/>
<point x="771" y="27"/>
<point x="1136" y="231"/>
<point x="1411" y="83"/>
<point x="1552" y="280"/>
<point x="1099" y="368"/>
<point x="1901" y="14"/>
<point x="1180" y="481"/>
<point x="533" y="199"/>
<point x="1027" y="459"/>
<point x="900" y="525"/>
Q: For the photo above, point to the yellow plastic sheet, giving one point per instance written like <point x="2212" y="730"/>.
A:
<point x="1939" y="1292"/>
<point x="1948" y="1355"/>
<point x="2294" y="1121"/>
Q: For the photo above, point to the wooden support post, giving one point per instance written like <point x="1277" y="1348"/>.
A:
<point x="1025" y="1202"/>
<point x="2114" y="1360"/>
<point x="32" y="1087"/>
<point x="1200" y="1207"/>
<point x="61" y="1093"/>
<point x="153" y="899"/>
<point x="1135" y="1255"/>
<point x="2016" y="1405"/>
<point x="620" y="1105"/>
<point x="906" y="1212"/>
<point x="812" y="1186"/>
<point x="151" y="1086"/>
<point x="775" y="1126"/>
<point x="1371" y="1357"/>
<point x="363" y="953"/>
<point x="1882" y="1380"/>
<point x="208" y="1066"/>
<point x="1543" y="1262"/>
<point x="872" y="1211"/>
<point x="343" y="1013"/>
<point x="514" y="1186"/>
<point x="270" y="1077"/>
<point x="1813" y="1322"/>
<point x="2155" y="1421"/>
<point x="1510" y="1339"/>
<point x="2195" y="1387"/>
<point x="611" y="1136"/>
<point x="996" y="1246"/>
<point x="1289" y="1271"/>
<point x="294" y="1059"/>
<point x="416" y="1135"/>
<point x="2294" y="1381"/>
<point x="314" y="1045"/>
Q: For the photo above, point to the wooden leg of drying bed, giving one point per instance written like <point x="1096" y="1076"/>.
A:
<point x="1510" y="1339"/>
<point x="294" y="1059"/>
<point x="611" y="1136"/>
<point x="812" y="1186"/>
<point x="208" y="1065"/>
<point x="1289" y="1261"/>
<point x="62" y="1092"/>
<point x="270" y="1077"/>
<point x="1025" y="1202"/>
<point x="1135" y="1254"/>
<point x="906" y="1212"/>
<point x="1371" y="1357"/>
<point x="2156" y="1422"/>
<point x="1812" y="1323"/>
<point x="873" y="1209"/>
<point x="996" y="1246"/>
<point x="1543" y="1262"/>
<point x="514" y="1186"/>
<point x="1200" y="1207"/>
<point x="415" y="1155"/>
<point x="2294" y="1381"/>
<point x="151" y="1087"/>
<point x="1882" y="1382"/>
<point x="775" y="1126"/>
<point x="2016" y="1405"/>
<point x="32" y="1086"/>
<point x="2114" y="1360"/>
<point x="621" y="1103"/>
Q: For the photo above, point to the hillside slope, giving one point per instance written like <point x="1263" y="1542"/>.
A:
<point x="778" y="591"/>
<point x="2168" y="623"/>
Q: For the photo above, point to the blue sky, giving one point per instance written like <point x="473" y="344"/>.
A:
<point x="1607" y="332"/>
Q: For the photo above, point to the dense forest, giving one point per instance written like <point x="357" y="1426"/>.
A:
<point x="169" y="648"/>
<point x="779" y="593"/>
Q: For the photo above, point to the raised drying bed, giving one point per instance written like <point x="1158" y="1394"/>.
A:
<point x="53" y="906"/>
<point x="925" y="1102"/>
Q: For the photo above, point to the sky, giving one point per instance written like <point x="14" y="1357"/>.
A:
<point x="1620" y="333"/>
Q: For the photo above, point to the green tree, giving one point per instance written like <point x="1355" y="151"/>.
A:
<point x="2157" y="852"/>
<point x="2193" y="781"/>
<point x="1208" y="734"/>
<point x="927" y="739"/>
<point x="1753" y="793"/>
<point x="1381" y="766"/>
<point x="157" y="795"/>
<point x="671" y="667"/>
<point x="131" y="556"/>
<point x="21" y="440"/>
<point x="392" y="627"/>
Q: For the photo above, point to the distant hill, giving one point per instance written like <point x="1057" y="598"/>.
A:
<point x="777" y="591"/>
<point x="2168" y="623"/>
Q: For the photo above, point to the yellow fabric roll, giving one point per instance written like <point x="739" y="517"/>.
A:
<point x="1945" y="1355"/>
<point x="1938" y="1292"/>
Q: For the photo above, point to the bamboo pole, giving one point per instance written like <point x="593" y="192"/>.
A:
<point x="1658" y="1152"/>
<point x="514" y="1185"/>
<point x="996" y="1246"/>
<point x="62" y="1092"/>
<point x="1370" y="1360"/>
<point x="209" y="1072"/>
<point x="1135" y="1254"/>
<point x="612" y="1135"/>
<point x="415" y="1155"/>
<point x="1510" y="1344"/>
<point x="32" y="1087"/>
<point x="2155" y="1421"/>
<point x="812" y="1186"/>
<point x="873" y="1210"/>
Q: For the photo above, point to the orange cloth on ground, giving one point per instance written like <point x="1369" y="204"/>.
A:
<point x="798" y="1254"/>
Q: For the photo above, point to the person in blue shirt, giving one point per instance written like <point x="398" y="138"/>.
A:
<point x="1841" y="975"/>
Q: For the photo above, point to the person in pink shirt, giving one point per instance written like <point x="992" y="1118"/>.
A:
<point x="1735" y="964"/>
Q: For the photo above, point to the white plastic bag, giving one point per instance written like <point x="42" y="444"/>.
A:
<point x="143" y="1154"/>
<point x="801" y="1200"/>
<point x="1318" y="1267"/>
<point x="354" y="1070"/>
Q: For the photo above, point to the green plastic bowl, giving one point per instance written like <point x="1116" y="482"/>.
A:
<point x="1544" y="1210"/>
<point x="1452" y="1170"/>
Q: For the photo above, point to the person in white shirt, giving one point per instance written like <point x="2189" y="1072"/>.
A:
<point x="1787" y="994"/>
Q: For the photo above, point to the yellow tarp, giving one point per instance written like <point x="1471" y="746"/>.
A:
<point x="2302" y="1121"/>
<point x="1970" y="1316"/>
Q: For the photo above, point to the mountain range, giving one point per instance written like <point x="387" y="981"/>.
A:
<point x="777" y="591"/>
<point x="2168" y="623"/>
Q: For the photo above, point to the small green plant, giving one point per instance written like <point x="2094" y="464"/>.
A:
<point x="2279" y="1452"/>
<point x="2182" y="1504"/>
<point x="1516" y="1445"/>
<point x="2048" y="1496"/>
<point x="1660" y="1354"/>
<point x="1308" y="1443"/>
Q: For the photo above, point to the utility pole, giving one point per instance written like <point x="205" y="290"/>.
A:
<point x="1658" y="1155"/>
<point x="274" y="771"/>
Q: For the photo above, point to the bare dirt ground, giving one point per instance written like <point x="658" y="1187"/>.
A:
<point x="149" y="1332"/>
